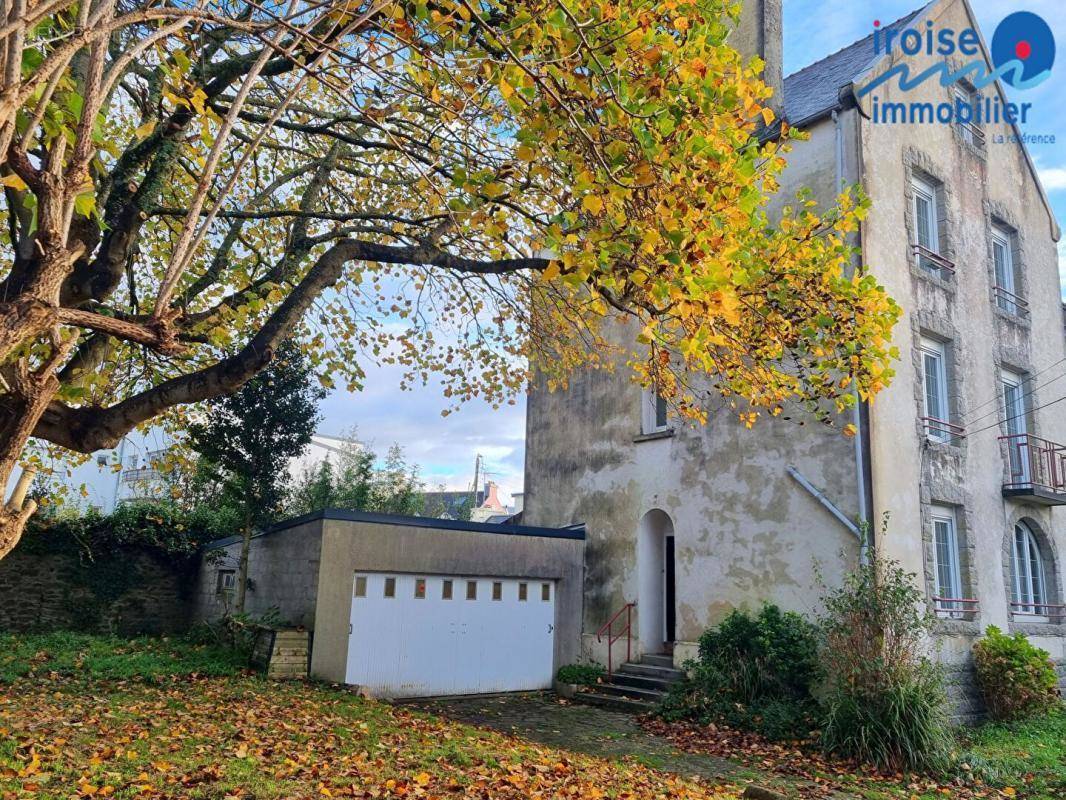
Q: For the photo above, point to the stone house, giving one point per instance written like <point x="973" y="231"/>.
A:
<point x="689" y="523"/>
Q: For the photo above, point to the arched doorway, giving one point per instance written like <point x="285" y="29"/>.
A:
<point x="656" y="598"/>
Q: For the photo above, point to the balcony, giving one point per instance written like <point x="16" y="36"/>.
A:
<point x="1037" y="469"/>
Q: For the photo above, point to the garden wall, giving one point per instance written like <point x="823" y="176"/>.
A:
<point x="128" y="592"/>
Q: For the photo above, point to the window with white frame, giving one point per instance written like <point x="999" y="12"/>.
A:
<point x="1029" y="580"/>
<point x="927" y="254"/>
<point x="1012" y="386"/>
<point x="947" y="570"/>
<point x="654" y="418"/>
<point x="970" y="131"/>
<point x="1006" y="286"/>
<point x="936" y="416"/>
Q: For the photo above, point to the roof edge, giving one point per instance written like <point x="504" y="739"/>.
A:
<point x="576" y="532"/>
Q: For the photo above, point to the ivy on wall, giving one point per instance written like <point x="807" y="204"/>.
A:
<point x="103" y="558"/>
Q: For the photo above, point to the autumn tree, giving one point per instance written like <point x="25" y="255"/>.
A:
<point x="246" y="440"/>
<point x="469" y="189"/>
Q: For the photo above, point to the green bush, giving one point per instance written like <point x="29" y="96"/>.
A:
<point x="581" y="674"/>
<point x="884" y="699"/>
<point x="1016" y="678"/>
<point x="753" y="672"/>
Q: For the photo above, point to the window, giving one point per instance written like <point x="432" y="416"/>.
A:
<point x="446" y="589"/>
<point x="390" y="587"/>
<point x="653" y="412"/>
<point x="523" y="591"/>
<point x="966" y="97"/>
<point x="420" y="588"/>
<point x="1015" y="424"/>
<point x="927" y="235"/>
<point x="935" y="391"/>
<point x="471" y="590"/>
<point x="545" y="592"/>
<point x="948" y="580"/>
<point x="360" y="586"/>
<point x="497" y="590"/>
<point x="226" y="582"/>
<point x="1029" y="585"/>
<point x="1005" y="288"/>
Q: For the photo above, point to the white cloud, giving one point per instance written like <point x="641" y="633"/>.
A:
<point x="1053" y="178"/>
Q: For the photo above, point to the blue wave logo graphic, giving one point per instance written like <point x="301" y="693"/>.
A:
<point x="1023" y="49"/>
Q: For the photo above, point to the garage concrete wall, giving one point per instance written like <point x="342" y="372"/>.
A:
<point x="354" y="542"/>
<point x="283" y="566"/>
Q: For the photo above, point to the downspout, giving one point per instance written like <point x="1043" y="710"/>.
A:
<point x="857" y="409"/>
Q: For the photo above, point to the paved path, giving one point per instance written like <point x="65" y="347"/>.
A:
<point x="546" y="719"/>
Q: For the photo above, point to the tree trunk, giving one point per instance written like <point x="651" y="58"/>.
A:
<point x="242" y="565"/>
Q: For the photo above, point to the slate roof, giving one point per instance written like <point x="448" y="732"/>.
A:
<point x="815" y="89"/>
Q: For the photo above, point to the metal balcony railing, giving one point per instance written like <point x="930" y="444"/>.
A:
<point x="941" y="430"/>
<point x="1010" y="302"/>
<point x="1039" y="611"/>
<point x="954" y="607"/>
<point x="933" y="261"/>
<point x="1035" y="462"/>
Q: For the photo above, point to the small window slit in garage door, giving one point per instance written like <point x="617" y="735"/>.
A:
<point x="523" y="591"/>
<point x="420" y="588"/>
<point x="497" y="590"/>
<point x="390" y="587"/>
<point x="446" y="589"/>
<point x="545" y="592"/>
<point x="360" y="585"/>
<point x="471" y="590"/>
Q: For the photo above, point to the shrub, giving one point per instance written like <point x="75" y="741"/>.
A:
<point x="1016" y="678"/>
<point x="884" y="699"/>
<point x="753" y="672"/>
<point x="581" y="674"/>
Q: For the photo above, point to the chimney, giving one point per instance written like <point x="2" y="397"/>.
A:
<point x="492" y="500"/>
<point x="758" y="33"/>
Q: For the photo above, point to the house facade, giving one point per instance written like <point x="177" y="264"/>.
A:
<point x="960" y="451"/>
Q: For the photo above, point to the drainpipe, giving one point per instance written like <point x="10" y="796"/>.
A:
<point x="857" y="415"/>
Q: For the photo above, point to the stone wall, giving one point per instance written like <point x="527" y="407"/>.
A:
<point x="134" y="592"/>
<point x="965" y="704"/>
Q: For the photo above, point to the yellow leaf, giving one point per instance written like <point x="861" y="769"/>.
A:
<point x="13" y="181"/>
<point x="506" y="89"/>
<point x="767" y="115"/>
<point x="422" y="778"/>
<point x="551" y="272"/>
<point x="592" y="204"/>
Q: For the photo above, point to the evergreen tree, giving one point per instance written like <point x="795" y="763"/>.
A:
<point x="246" y="440"/>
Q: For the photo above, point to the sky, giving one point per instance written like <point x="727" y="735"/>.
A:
<point x="445" y="447"/>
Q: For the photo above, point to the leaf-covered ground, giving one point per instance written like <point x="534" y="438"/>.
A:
<point x="65" y="733"/>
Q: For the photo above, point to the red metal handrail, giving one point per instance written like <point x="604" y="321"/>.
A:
<point x="938" y="260"/>
<point x="1035" y="462"/>
<point x="627" y="631"/>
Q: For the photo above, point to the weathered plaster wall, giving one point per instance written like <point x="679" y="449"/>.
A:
<point x="351" y="546"/>
<point x="283" y="566"/>
<point x="745" y="532"/>
<point x="909" y="472"/>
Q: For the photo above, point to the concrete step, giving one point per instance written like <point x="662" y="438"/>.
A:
<point x="641" y="681"/>
<point x="630" y="692"/>
<point x="648" y="671"/>
<point x="657" y="660"/>
<point x="614" y="702"/>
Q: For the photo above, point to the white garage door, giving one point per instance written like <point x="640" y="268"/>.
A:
<point x="423" y="635"/>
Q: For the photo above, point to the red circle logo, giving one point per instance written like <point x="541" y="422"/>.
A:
<point x="1023" y="50"/>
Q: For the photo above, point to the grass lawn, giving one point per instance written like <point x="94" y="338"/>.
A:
<point x="78" y="719"/>
<point x="84" y="716"/>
